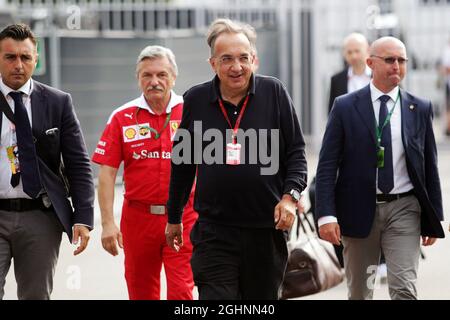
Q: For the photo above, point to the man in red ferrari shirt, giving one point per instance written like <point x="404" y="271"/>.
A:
<point x="140" y="133"/>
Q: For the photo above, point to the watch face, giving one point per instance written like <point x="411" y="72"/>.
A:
<point x="295" y="194"/>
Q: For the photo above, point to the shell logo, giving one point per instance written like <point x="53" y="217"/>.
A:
<point x="130" y="133"/>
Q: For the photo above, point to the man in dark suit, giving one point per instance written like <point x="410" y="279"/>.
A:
<point x="40" y="123"/>
<point x="356" y="74"/>
<point x="377" y="178"/>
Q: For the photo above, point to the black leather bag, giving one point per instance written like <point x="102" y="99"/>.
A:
<point x="312" y="264"/>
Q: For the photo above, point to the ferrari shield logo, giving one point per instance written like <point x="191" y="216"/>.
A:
<point x="174" y="124"/>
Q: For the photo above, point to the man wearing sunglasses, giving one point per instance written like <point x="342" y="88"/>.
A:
<point x="387" y="194"/>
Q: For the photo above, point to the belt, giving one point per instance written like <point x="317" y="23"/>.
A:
<point x="157" y="209"/>
<point x="22" y="204"/>
<point x="383" y="198"/>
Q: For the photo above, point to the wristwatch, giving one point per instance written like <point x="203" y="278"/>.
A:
<point x="295" y="195"/>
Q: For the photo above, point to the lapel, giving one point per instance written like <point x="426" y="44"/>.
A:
<point x="38" y="109"/>
<point x="364" y="106"/>
<point x="408" y="117"/>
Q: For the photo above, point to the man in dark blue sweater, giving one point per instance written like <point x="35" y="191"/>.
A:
<point x="240" y="135"/>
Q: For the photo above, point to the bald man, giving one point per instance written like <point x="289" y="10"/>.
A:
<point x="387" y="194"/>
<point x="356" y="74"/>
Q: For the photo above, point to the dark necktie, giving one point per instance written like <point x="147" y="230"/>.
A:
<point x="386" y="174"/>
<point x="28" y="163"/>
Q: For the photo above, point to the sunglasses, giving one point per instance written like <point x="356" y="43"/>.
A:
<point x="392" y="60"/>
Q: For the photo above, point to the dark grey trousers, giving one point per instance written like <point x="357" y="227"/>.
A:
<point x="32" y="239"/>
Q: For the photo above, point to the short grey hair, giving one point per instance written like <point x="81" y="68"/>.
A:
<point x="156" y="52"/>
<point x="220" y="26"/>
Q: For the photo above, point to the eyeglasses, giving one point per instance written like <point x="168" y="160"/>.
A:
<point x="392" y="60"/>
<point x="229" y="60"/>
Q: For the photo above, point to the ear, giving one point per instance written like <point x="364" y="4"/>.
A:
<point x="255" y="63"/>
<point x="213" y="64"/>
<point x="369" y="62"/>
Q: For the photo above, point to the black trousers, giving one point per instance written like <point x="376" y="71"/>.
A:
<point x="231" y="263"/>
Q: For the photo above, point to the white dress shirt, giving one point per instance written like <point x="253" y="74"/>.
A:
<point x="8" y="138"/>
<point x="355" y="81"/>
<point x="402" y="182"/>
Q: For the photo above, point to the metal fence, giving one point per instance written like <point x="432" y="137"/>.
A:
<point x="160" y="18"/>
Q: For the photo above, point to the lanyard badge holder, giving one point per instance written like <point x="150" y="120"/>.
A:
<point x="153" y="130"/>
<point x="380" y="148"/>
<point x="233" y="150"/>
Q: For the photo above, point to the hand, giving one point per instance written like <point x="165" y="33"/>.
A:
<point x="111" y="236"/>
<point x="80" y="232"/>
<point x="174" y="236"/>
<point x="331" y="232"/>
<point x="285" y="213"/>
<point x="428" y="241"/>
<point x="301" y="205"/>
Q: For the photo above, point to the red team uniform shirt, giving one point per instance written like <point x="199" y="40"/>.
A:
<point x="128" y="137"/>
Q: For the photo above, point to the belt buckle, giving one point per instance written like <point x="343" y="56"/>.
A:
<point x="380" y="201"/>
<point x="159" y="210"/>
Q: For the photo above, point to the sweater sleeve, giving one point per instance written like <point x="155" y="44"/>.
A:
<point x="183" y="168"/>
<point x="294" y="157"/>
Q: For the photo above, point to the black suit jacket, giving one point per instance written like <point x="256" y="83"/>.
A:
<point x="346" y="173"/>
<point x="52" y="108"/>
<point x="338" y="86"/>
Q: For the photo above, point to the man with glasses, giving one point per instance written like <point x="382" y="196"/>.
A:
<point x="377" y="178"/>
<point x="239" y="245"/>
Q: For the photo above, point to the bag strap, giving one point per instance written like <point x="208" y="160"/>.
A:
<point x="6" y="109"/>
<point x="302" y="221"/>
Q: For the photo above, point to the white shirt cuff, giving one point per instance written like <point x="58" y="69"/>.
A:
<point x="81" y="224"/>
<point x="326" y="220"/>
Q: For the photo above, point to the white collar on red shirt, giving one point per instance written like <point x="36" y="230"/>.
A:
<point x="174" y="101"/>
